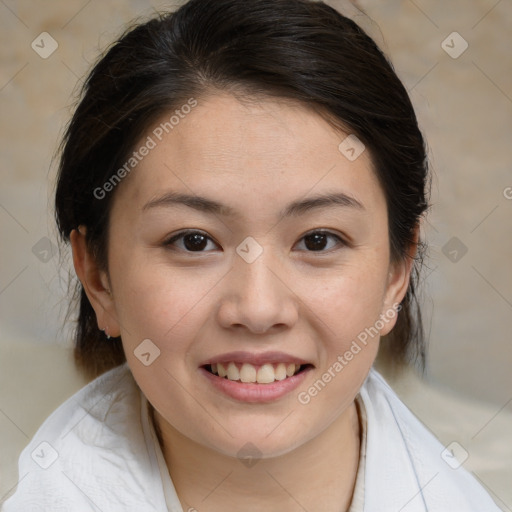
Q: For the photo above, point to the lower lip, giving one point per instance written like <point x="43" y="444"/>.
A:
<point x="252" y="392"/>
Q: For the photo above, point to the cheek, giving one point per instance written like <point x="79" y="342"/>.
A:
<point x="165" y="306"/>
<point x="347" y="308"/>
<point x="160" y="303"/>
<point x="346" y="312"/>
<point x="349" y="303"/>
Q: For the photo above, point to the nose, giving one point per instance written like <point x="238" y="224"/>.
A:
<point x="257" y="298"/>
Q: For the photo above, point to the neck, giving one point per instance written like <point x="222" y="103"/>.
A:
<point x="318" y="475"/>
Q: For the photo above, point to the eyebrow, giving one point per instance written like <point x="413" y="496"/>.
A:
<point x="295" y="208"/>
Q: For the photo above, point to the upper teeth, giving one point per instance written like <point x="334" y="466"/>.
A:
<point x="265" y="374"/>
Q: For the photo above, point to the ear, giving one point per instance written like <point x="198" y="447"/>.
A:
<point x="397" y="284"/>
<point x="95" y="282"/>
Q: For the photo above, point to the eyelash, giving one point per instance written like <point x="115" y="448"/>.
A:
<point x="171" y="241"/>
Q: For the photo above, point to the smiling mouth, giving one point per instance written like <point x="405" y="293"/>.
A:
<point x="248" y="373"/>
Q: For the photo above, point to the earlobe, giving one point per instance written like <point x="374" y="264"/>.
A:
<point x="95" y="283"/>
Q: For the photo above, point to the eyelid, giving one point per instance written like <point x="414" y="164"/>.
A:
<point x="342" y="241"/>
<point x="324" y="231"/>
<point x="169" y="241"/>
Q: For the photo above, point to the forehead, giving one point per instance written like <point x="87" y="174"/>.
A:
<point x="255" y="151"/>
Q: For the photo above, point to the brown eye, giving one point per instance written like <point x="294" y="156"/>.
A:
<point x="195" y="242"/>
<point x="191" y="241"/>
<point x="316" y="242"/>
<point x="320" y="241"/>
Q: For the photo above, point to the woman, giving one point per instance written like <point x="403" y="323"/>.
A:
<point x="242" y="185"/>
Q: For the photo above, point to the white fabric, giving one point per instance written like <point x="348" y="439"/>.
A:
<point x="404" y="468"/>
<point x="357" y="504"/>
<point x="107" y="458"/>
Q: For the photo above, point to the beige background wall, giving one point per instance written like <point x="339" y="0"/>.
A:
<point x="464" y="106"/>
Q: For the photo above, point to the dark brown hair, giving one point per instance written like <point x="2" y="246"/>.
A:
<point x="296" y="49"/>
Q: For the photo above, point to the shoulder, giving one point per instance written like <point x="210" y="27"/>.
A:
<point x="90" y="450"/>
<point x="407" y="468"/>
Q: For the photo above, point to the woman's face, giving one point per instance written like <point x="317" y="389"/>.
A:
<point x="247" y="236"/>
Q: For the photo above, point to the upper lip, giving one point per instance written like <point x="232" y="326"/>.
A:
<point x="255" y="359"/>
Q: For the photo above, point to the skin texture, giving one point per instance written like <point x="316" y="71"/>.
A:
<point x="255" y="157"/>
